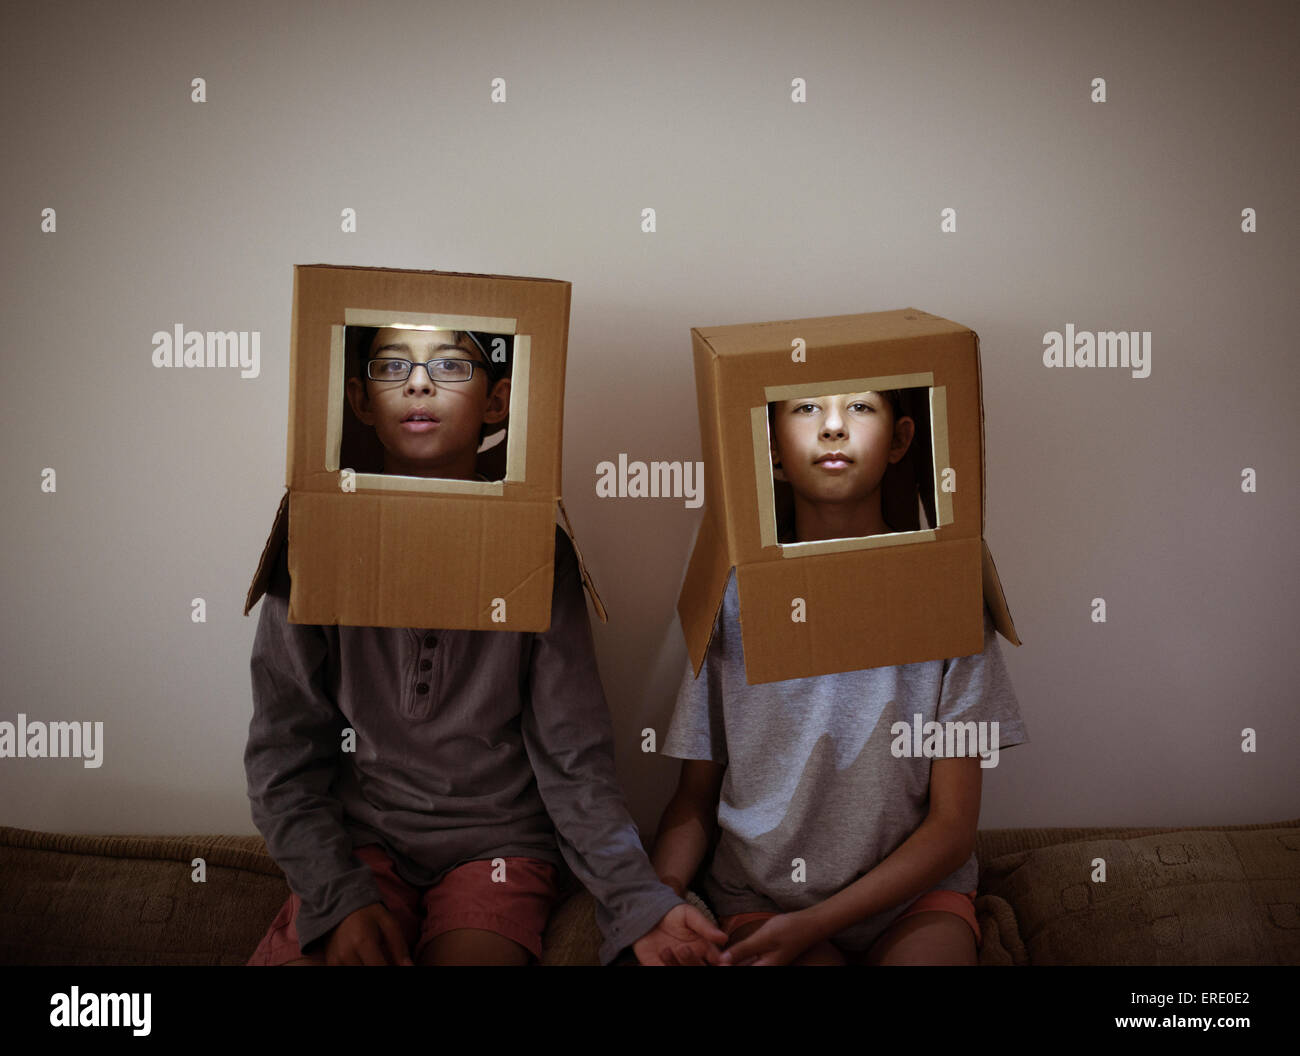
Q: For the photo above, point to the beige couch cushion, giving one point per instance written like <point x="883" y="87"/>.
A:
<point x="1181" y="896"/>
<point x="130" y="900"/>
<point x="1173" y="896"/>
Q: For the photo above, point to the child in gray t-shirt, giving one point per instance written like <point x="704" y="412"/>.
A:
<point x="837" y="834"/>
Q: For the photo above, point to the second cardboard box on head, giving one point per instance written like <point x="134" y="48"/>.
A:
<point x="913" y="594"/>
<point x="484" y="548"/>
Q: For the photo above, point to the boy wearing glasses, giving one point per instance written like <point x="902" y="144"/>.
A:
<point x="481" y="759"/>
<point x="432" y="432"/>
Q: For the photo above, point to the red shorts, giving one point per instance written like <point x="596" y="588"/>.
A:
<point x="466" y="897"/>
<point x="962" y="904"/>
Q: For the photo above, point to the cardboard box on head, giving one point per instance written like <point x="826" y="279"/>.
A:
<point x="912" y="594"/>
<point x="374" y="549"/>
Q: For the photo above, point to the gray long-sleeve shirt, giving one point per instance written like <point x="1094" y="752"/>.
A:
<point x="469" y="745"/>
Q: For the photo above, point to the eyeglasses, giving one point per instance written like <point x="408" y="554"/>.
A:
<point x="439" y="370"/>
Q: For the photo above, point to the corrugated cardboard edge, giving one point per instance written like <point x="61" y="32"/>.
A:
<point x="709" y="566"/>
<point x="278" y="537"/>
<point x="996" y="600"/>
<point x="434" y="271"/>
<point x="707" y="574"/>
<point x="582" y="568"/>
<point x="994" y="597"/>
<point x="984" y="462"/>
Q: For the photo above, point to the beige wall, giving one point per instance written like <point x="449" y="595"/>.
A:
<point x="1122" y="215"/>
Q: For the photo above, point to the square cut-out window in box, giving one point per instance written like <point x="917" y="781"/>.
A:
<point x="428" y="341"/>
<point x="844" y="416"/>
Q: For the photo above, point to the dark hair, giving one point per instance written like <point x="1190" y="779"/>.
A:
<point x="479" y="341"/>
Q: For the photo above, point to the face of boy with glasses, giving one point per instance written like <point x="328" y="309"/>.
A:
<point x="427" y="399"/>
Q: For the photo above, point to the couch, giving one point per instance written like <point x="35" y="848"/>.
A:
<point x="1209" y="895"/>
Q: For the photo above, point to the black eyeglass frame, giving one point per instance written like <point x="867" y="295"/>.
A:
<point x="412" y="364"/>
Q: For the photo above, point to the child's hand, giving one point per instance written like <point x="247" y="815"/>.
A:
<point x="780" y="940"/>
<point x="369" y="935"/>
<point x="684" y="936"/>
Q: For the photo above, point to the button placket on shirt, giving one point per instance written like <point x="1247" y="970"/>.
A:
<point x="424" y="688"/>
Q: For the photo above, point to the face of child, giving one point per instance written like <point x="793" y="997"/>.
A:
<point x="429" y="427"/>
<point x="835" y="449"/>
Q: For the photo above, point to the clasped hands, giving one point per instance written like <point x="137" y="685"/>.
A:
<point x="685" y="937"/>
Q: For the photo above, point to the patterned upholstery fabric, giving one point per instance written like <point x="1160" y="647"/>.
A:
<point x="1208" y="895"/>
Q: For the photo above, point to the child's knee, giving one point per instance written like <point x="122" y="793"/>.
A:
<point x="929" y="937"/>
<point x="472" y="946"/>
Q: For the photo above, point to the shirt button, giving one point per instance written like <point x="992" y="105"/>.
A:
<point x="425" y="665"/>
<point x="430" y="641"/>
<point x="422" y="687"/>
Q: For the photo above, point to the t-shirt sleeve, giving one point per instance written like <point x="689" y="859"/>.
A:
<point x="696" y="730"/>
<point x="978" y="688"/>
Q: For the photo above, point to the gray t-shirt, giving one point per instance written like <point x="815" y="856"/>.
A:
<point x="811" y="774"/>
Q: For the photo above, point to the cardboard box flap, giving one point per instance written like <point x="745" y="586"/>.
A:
<point x="375" y="560"/>
<point x="833" y="612"/>
<point x="582" y="568"/>
<point x="996" y="600"/>
<point x="984" y="477"/>
<point x="279" y="537"/>
<point x="266" y="565"/>
<point x="703" y="589"/>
